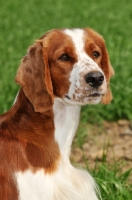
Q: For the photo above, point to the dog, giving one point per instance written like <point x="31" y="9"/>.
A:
<point x="63" y="70"/>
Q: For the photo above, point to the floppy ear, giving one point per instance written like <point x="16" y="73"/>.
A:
<point x="109" y="72"/>
<point x="34" y="77"/>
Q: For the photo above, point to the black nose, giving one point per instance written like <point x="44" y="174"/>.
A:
<point x="94" y="79"/>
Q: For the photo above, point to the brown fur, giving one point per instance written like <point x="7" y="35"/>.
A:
<point x="56" y="43"/>
<point x="24" y="143"/>
<point x="28" y="127"/>
<point x="33" y="76"/>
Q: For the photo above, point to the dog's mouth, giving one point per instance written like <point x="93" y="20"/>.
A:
<point x="91" y="95"/>
<point x="92" y="98"/>
<point x="66" y="96"/>
<point x="94" y="95"/>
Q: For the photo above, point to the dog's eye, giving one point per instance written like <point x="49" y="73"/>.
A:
<point x="64" y="57"/>
<point x="96" y="54"/>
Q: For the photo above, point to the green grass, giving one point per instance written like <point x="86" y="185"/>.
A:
<point x="21" y="22"/>
<point x="112" y="184"/>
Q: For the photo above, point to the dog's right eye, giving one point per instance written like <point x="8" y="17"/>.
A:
<point x="96" y="54"/>
<point x="64" y="57"/>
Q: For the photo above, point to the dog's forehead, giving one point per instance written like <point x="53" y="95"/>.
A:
<point x="84" y="40"/>
<point x="78" y="42"/>
<point x="77" y="37"/>
<point x="57" y="39"/>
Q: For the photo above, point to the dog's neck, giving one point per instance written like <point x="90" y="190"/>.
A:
<point x="63" y="119"/>
<point x="66" y="119"/>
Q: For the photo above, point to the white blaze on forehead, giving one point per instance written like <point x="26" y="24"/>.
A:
<point x="77" y="36"/>
<point x="78" y="39"/>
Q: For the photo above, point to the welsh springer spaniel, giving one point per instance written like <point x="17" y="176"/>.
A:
<point x="62" y="71"/>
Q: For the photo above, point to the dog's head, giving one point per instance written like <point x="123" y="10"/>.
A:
<point x="71" y="64"/>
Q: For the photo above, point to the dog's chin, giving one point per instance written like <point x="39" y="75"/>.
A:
<point x="91" y="99"/>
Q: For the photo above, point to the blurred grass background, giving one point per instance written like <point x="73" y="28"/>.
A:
<point x="21" y="22"/>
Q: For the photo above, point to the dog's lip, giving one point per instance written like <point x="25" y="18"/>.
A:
<point x="67" y="97"/>
<point x="96" y="94"/>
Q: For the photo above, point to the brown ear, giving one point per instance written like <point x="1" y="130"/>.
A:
<point x="34" y="77"/>
<point x="109" y="72"/>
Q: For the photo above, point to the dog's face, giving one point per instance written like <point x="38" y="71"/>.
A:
<point x="76" y="67"/>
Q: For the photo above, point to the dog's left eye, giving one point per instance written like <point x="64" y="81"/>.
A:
<point x="96" y="54"/>
<point x="64" y="57"/>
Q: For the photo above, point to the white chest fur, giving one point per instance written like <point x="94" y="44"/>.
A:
<point x="67" y="183"/>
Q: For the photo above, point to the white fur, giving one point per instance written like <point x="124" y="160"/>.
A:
<point x="67" y="183"/>
<point x="66" y="122"/>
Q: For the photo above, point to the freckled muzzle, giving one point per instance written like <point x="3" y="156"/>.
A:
<point x="94" y="79"/>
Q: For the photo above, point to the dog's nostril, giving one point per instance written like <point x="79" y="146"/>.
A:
<point x="94" y="79"/>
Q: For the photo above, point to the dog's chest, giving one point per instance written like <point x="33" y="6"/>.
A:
<point x="34" y="186"/>
<point x="64" y="184"/>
